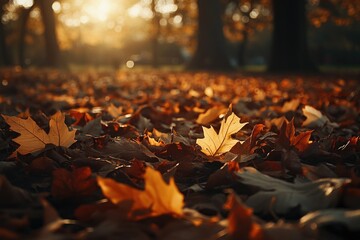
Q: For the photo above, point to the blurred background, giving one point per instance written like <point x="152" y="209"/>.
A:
<point x="274" y="35"/>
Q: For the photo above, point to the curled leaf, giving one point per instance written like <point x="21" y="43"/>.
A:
<point x="281" y="196"/>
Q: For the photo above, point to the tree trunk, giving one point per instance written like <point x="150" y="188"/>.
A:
<point x="5" y="59"/>
<point x="24" y="17"/>
<point x="51" y="42"/>
<point x="289" y="51"/>
<point x="241" y="49"/>
<point x="211" y="52"/>
<point x="155" y="35"/>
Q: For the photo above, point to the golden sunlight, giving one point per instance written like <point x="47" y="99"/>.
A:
<point x="24" y="3"/>
<point x="100" y="10"/>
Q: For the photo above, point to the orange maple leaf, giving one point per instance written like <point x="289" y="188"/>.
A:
<point x="158" y="196"/>
<point x="33" y="138"/>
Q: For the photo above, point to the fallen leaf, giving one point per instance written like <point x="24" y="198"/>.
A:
<point x="33" y="138"/>
<point x="73" y="185"/>
<point x="81" y="116"/>
<point x="214" y="144"/>
<point x="59" y="134"/>
<point x="281" y="197"/>
<point x="241" y="225"/>
<point x="93" y="128"/>
<point x="125" y="149"/>
<point x="12" y="196"/>
<point x="158" y="196"/>
<point x="210" y="115"/>
<point x="248" y="146"/>
<point x="315" y="119"/>
<point x="287" y="137"/>
<point x="114" y="111"/>
<point x="290" y="105"/>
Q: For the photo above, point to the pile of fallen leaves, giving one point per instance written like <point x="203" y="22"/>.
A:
<point x="151" y="155"/>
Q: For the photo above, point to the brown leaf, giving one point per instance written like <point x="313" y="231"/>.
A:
<point x="33" y="138"/>
<point x="73" y="185"/>
<point x="287" y="137"/>
<point x="12" y="196"/>
<point x="210" y="115"/>
<point x="301" y="141"/>
<point x="241" y="224"/>
<point x="59" y="134"/>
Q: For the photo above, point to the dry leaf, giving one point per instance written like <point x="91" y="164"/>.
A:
<point x="158" y="196"/>
<point x="290" y="106"/>
<point x="59" y="134"/>
<point x="241" y="223"/>
<point x="210" y="115"/>
<point x="115" y="111"/>
<point x="33" y="138"/>
<point x="280" y="196"/>
<point x="12" y="196"/>
<point x="314" y="118"/>
<point x="73" y="185"/>
<point x="287" y="137"/>
<point x="214" y="144"/>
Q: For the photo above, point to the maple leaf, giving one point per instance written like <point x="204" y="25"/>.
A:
<point x="59" y="134"/>
<point x="288" y="138"/>
<point x="33" y="138"/>
<point x="214" y="144"/>
<point x="158" y="196"/>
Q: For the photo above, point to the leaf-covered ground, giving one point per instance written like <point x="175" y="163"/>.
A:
<point x="153" y="155"/>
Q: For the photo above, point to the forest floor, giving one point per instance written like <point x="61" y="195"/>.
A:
<point x="182" y="155"/>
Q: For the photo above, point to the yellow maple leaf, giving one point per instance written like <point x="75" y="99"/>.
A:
<point x="214" y="144"/>
<point x="158" y="196"/>
<point x="33" y="138"/>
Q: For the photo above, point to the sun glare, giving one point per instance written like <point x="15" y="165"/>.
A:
<point x="99" y="10"/>
<point x="24" y="3"/>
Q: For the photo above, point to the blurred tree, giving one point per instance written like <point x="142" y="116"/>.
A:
<point x="242" y="18"/>
<point x="23" y="18"/>
<point x="4" y="53"/>
<point x="51" y="41"/>
<point x="211" y="52"/>
<point x="289" y="51"/>
<point x="155" y="34"/>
